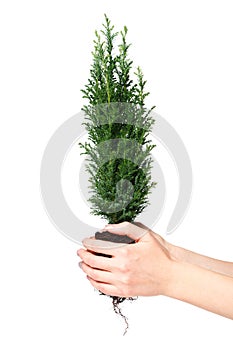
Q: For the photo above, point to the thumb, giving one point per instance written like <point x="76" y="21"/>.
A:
<point x="133" y="231"/>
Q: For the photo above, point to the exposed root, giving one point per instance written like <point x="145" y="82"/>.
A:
<point x="115" y="302"/>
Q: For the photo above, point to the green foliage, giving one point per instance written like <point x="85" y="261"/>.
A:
<point x="118" y="125"/>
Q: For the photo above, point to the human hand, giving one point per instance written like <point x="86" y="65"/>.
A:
<point x="153" y="266"/>
<point x="143" y="268"/>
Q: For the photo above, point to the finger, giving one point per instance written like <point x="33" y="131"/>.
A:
<point x="105" y="288"/>
<point x="96" y="274"/>
<point x="96" y="261"/>
<point x="139" y="224"/>
<point x="156" y="235"/>
<point x="99" y="246"/>
<point x="126" y="228"/>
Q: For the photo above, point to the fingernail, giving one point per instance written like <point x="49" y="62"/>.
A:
<point x="80" y="264"/>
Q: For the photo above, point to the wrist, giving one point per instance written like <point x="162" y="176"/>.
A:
<point x="182" y="279"/>
<point x="177" y="253"/>
<point x="169" y="274"/>
<point x="174" y="278"/>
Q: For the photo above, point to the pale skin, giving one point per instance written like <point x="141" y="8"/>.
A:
<point x="153" y="267"/>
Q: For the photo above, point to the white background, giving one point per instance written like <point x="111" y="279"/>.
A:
<point x="185" y="51"/>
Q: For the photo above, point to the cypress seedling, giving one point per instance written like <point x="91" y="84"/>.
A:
<point x="118" y="124"/>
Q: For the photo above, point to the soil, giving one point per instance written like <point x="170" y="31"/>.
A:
<point x="112" y="237"/>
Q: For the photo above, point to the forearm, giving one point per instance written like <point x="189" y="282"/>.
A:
<point x="203" y="261"/>
<point x="205" y="289"/>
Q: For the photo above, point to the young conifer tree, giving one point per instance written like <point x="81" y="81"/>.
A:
<point x="118" y="124"/>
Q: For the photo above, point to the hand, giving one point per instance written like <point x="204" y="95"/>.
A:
<point x="152" y="266"/>
<point x="143" y="268"/>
